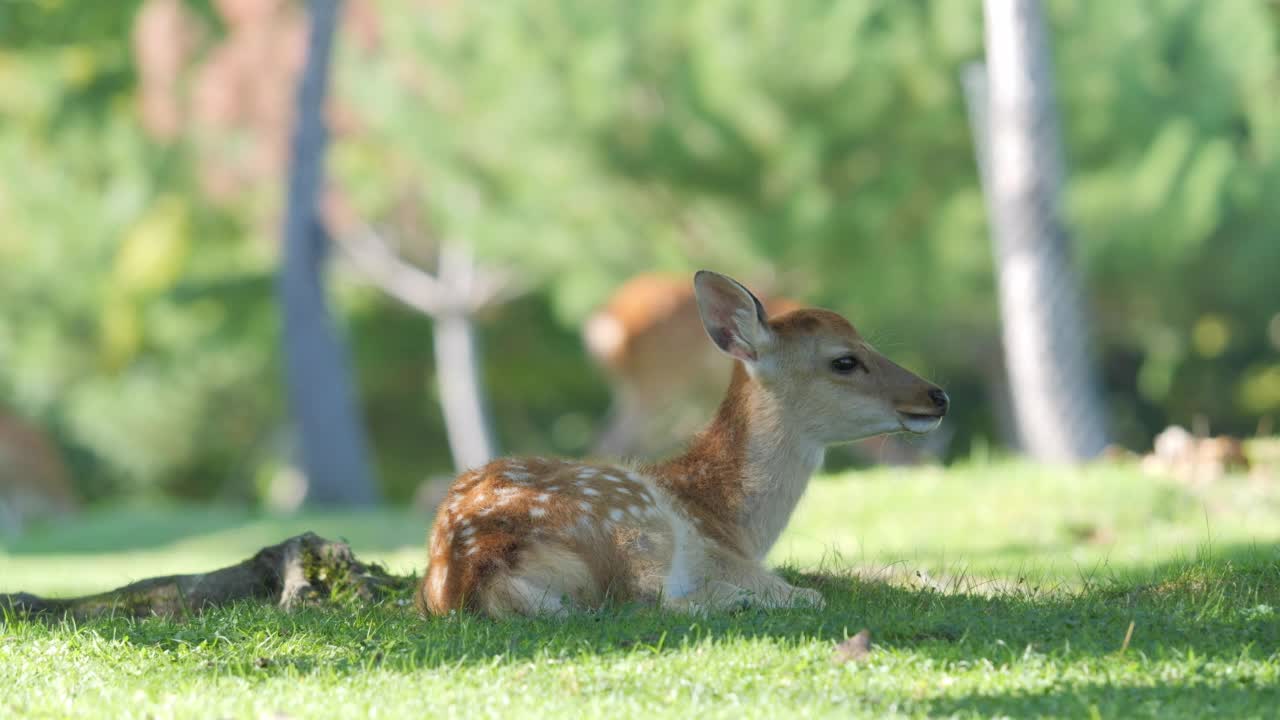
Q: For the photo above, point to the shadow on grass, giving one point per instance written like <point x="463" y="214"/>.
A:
<point x="1167" y="700"/>
<point x="1216" y="609"/>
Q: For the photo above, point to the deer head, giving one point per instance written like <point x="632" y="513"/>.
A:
<point x="830" y="385"/>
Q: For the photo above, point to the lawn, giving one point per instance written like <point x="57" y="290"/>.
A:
<point x="989" y="590"/>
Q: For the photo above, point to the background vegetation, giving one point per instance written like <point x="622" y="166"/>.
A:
<point x="822" y="146"/>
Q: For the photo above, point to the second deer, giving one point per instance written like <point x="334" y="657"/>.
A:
<point x="536" y="535"/>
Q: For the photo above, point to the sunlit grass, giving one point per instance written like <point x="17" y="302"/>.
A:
<point x="990" y="590"/>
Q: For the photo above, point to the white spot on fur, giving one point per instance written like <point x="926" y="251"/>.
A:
<point x="634" y="510"/>
<point x="517" y="476"/>
<point x="590" y="491"/>
<point x="586" y="506"/>
<point x="537" y="512"/>
<point x="542" y="497"/>
<point x="586" y="473"/>
<point x="615" y="514"/>
<point x="468" y="532"/>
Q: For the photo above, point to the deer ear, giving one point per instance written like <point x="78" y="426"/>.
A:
<point x="733" y="317"/>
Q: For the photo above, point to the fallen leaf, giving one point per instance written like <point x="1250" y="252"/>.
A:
<point x="854" y="649"/>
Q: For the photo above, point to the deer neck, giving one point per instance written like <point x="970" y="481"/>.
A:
<point x="747" y="470"/>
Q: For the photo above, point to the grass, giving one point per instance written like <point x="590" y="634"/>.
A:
<point x="1000" y="590"/>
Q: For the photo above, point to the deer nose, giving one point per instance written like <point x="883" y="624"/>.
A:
<point x="940" y="399"/>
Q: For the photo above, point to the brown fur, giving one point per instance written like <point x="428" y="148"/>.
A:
<point x="531" y="535"/>
<point x="485" y="525"/>
<point x="706" y="476"/>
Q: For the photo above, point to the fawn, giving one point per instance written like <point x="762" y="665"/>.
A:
<point x="664" y="378"/>
<point x="534" y="535"/>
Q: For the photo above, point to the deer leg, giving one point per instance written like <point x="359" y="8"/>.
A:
<point x="767" y="589"/>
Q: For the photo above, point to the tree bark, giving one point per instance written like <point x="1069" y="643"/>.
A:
<point x="1056" y="397"/>
<point x="322" y="398"/>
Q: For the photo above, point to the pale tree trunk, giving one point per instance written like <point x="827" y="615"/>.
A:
<point x="322" y="399"/>
<point x="461" y="387"/>
<point x="1056" y="398"/>
<point x="458" y="367"/>
<point x="451" y="297"/>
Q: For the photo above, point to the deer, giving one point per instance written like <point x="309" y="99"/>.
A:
<point x="545" y="536"/>
<point x="647" y="340"/>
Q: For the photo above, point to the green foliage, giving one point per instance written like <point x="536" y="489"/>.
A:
<point x="122" y="327"/>
<point x="829" y="141"/>
<point x="1175" y="150"/>
<point x="823" y="147"/>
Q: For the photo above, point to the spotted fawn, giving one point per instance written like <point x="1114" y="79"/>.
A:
<point x="525" y="536"/>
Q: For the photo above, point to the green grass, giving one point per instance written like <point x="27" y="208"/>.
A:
<point x="1003" y="590"/>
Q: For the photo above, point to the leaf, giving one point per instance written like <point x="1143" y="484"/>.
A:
<point x="153" y="252"/>
<point x="854" y="649"/>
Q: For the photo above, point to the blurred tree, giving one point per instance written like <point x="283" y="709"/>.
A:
<point x="331" y="436"/>
<point x="451" y="296"/>
<point x="237" y="90"/>
<point x="579" y="142"/>
<point x="1046" y="336"/>
<point x="587" y="139"/>
<point x="133" y="322"/>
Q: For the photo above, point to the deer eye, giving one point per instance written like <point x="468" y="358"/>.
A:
<point x="846" y="364"/>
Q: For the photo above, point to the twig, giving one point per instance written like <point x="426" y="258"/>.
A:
<point x="1127" y="637"/>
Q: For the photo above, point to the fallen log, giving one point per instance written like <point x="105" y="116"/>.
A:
<point x="302" y="569"/>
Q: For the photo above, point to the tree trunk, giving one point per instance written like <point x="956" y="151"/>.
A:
<point x="322" y="399"/>
<point x="461" y="389"/>
<point x="1056" y="398"/>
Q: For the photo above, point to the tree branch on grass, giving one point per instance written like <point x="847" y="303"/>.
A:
<point x="300" y="570"/>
